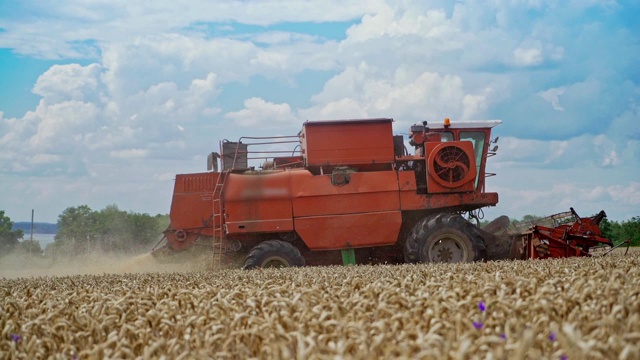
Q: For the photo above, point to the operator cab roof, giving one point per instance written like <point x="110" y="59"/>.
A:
<point x="432" y="124"/>
<point x="469" y="124"/>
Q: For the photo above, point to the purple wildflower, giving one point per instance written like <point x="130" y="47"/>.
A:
<point x="15" y="337"/>
<point x="564" y="357"/>
<point x="503" y="336"/>
<point x="481" y="306"/>
<point x="74" y="357"/>
<point x="552" y="336"/>
<point x="478" y="325"/>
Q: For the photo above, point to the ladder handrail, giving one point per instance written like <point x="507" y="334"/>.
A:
<point x="218" y="218"/>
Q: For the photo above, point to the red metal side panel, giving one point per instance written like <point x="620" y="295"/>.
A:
<point x="347" y="142"/>
<point x="407" y="181"/>
<point x="258" y="203"/>
<point x="364" y="212"/>
<point x="350" y="230"/>
<point x="365" y="192"/>
<point x="192" y="205"/>
<point x="412" y="201"/>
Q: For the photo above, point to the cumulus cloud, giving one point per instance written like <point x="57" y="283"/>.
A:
<point x="599" y="151"/>
<point x="258" y="111"/>
<point x="128" y="153"/>
<point x="70" y="82"/>
<point x="552" y="96"/>
<point x="111" y="22"/>
<point x="79" y="120"/>
<point x="165" y="82"/>
<point x="366" y="91"/>
<point x="628" y="195"/>
<point x="536" y="54"/>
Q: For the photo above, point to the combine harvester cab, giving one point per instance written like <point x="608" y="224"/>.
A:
<point x="348" y="192"/>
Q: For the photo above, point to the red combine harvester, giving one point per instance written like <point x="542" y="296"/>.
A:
<point x="349" y="192"/>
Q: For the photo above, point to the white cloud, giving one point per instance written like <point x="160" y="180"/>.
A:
<point x="40" y="159"/>
<point x="527" y="57"/>
<point x="628" y="195"/>
<point x="164" y="87"/>
<point x="607" y="151"/>
<point x="63" y="126"/>
<point x="366" y="91"/>
<point x="63" y="32"/>
<point x="535" y="52"/>
<point x="552" y="96"/>
<point x="260" y="112"/>
<point x="70" y="82"/>
<point x="129" y="153"/>
<point x="585" y="151"/>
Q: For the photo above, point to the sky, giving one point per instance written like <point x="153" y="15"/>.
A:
<point x="103" y="102"/>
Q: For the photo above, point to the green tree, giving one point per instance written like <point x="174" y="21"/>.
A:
<point x="76" y="230"/>
<point x="112" y="229"/>
<point x="81" y="229"/>
<point x="630" y="229"/>
<point x="31" y="247"/>
<point x="9" y="238"/>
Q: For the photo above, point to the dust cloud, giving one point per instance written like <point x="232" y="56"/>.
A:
<point x="20" y="265"/>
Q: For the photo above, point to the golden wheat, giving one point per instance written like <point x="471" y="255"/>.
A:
<point x="573" y="308"/>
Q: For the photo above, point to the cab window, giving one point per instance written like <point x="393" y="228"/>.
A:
<point x="446" y="136"/>
<point x="477" y="138"/>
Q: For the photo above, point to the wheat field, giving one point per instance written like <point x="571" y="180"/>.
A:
<point x="578" y="308"/>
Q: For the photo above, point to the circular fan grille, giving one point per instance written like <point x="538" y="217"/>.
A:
<point x="451" y="165"/>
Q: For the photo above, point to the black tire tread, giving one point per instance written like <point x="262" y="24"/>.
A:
<point x="283" y="248"/>
<point x="421" y="230"/>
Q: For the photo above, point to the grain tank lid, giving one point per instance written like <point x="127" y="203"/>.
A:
<point x="468" y="124"/>
<point x="346" y="121"/>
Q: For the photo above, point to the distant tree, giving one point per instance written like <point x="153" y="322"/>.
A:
<point x="31" y="247"/>
<point x="607" y="226"/>
<point x="112" y="228"/>
<point x="9" y="238"/>
<point x="76" y="230"/>
<point x="629" y="229"/>
<point x="81" y="229"/>
<point x="621" y="231"/>
<point x="144" y="230"/>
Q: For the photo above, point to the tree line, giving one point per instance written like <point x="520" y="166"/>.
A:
<point x="622" y="231"/>
<point x="82" y="230"/>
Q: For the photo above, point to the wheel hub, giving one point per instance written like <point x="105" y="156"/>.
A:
<point x="445" y="255"/>
<point x="448" y="250"/>
<point x="275" y="262"/>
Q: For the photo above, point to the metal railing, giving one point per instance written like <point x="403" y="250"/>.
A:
<point x="259" y="154"/>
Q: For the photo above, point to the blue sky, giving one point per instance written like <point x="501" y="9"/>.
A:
<point x="104" y="102"/>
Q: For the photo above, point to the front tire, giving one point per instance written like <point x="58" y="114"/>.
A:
<point x="273" y="253"/>
<point x="447" y="238"/>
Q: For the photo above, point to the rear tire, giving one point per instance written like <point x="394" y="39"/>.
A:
<point x="445" y="238"/>
<point x="273" y="253"/>
<point x="413" y="243"/>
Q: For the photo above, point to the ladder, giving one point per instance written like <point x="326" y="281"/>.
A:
<point x="218" y="226"/>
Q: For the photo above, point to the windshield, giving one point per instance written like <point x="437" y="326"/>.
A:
<point x="477" y="138"/>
